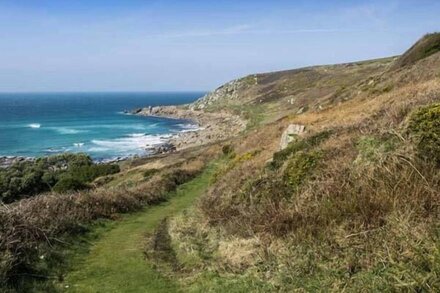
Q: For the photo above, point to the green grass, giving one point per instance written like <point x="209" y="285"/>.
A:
<point x="254" y="114"/>
<point x="115" y="261"/>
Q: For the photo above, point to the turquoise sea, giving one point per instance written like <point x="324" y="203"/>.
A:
<point x="39" y="124"/>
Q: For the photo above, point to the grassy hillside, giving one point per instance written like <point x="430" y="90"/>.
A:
<point x="277" y="94"/>
<point x="425" y="47"/>
<point x="351" y="204"/>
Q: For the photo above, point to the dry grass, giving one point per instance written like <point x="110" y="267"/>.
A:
<point x="31" y="227"/>
<point x="334" y="224"/>
<point x="426" y="46"/>
<point x="357" y="210"/>
<point x="364" y="218"/>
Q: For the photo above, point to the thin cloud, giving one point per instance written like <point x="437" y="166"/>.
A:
<point x="239" y="29"/>
<point x="247" y="30"/>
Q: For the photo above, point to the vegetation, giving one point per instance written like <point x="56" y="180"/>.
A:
<point x="372" y="149"/>
<point x="353" y="208"/>
<point x="351" y="205"/>
<point x="60" y="173"/>
<point x="69" y="183"/>
<point x="104" y="263"/>
<point x="150" y="172"/>
<point x="424" y="125"/>
<point x="30" y="231"/>
<point x="227" y="149"/>
<point x="280" y="157"/>
<point x="299" y="167"/>
<point x="425" y="47"/>
<point x="356" y="226"/>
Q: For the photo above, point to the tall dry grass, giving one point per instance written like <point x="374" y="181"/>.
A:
<point x="31" y="227"/>
<point x="367" y="216"/>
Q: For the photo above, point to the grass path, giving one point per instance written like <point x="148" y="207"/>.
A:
<point x="115" y="262"/>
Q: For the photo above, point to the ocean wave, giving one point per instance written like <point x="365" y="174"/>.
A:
<point x="99" y="149"/>
<point x="56" y="150"/>
<point x="187" y="127"/>
<point x="67" y="130"/>
<point x="127" y="145"/>
<point x="34" y="125"/>
<point x="134" y="126"/>
<point x="124" y="113"/>
<point x="53" y="151"/>
<point x="78" y="144"/>
<point x="136" y="134"/>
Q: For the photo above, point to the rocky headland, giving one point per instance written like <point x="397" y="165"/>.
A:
<point x="212" y="126"/>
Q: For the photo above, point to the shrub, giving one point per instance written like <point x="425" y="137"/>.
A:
<point x="69" y="183"/>
<point x="89" y="173"/>
<point x="299" y="145"/>
<point x="300" y="167"/>
<point x="179" y="176"/>
<point x="28" y="178"/>
<point x="227" y="149"/>
<point x="424" y="125"/>
<point x="149" y="173"/>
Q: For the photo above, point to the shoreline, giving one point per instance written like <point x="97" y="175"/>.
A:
<point x="212" y="126"/>
<point x="209" y="127"/>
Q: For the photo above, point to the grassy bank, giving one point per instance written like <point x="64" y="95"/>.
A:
<point x="35" y="232"/>
<point x="115" y="262"/>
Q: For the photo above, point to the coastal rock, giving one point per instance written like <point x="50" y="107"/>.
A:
<point x="225" y="93"/>
<point x="7" y="161"/>
<point x="290" y="133"/>
<point x="207" y="127"/>
<point x="164" y="148"/>
<point x="136" y="111"/>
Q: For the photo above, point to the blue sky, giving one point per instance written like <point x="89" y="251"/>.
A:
<point x="193" y="45"/>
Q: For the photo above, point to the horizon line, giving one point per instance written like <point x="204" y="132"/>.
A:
<point x="102" y="91"/>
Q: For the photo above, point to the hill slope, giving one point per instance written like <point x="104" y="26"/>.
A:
<point x="425" y="47"/>
<point x="290" y="91"/>
<point x="352" y="204"/>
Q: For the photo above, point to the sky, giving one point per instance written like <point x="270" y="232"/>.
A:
<point x="110" y="45"/>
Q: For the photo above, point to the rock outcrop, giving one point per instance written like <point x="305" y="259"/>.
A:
<point x="289" y="135"/>
<point x="212" y="126"/>
<point x="227" y="92"/>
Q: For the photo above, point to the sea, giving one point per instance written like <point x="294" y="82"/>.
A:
<point x="41" y="124"/>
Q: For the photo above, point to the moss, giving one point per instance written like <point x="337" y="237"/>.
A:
<point x="424" y="126"/>
<point x="300" y="166"/>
